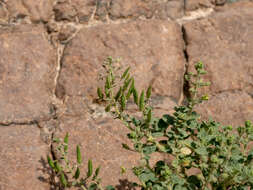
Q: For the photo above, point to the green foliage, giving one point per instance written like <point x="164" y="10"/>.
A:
<point x="69" y="174"/>
<point x="221" y="155"/>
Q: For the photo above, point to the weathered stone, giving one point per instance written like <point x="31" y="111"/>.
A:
<point x="191" y="5"/>
<point x="65" y="33"/>
<point x="85" y="9"/>
<point x="158" y="9"/>
<point x="64" y="11"/>
<point x="37" y="10"/>
<point x="224" y="43"/>
<point x="3" y="13"/>
<point x="27" y="71"/>
<point x="154" y="50"/>
<point x="102" y="10"/>
<point x="228" y="108"/>
<point x="75" y="10"/>
<point x="22" y="154"/>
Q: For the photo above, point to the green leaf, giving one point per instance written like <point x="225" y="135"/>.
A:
<point x="108" y="82"/>
<point x="145" y="177"/>
<point x="148" y="92"/>
<point x="50" y="162"/>
<point x="93" y="186"/>
<point x="66" y="141"/>
<point x="194" y="180"/>
<point x="135" y="94"/>
<point x="149" y="115"/>
<point x="201" y="151"/>
<point x="57" y="140"/>
<point x="125" y="146"/>
<point x="58" y="167"/>
<point x="123" y="102"/>
<point x="130" y="91"/>
<point x="108" y="108"/>
<point x="77" y="173"/>
<point x="118" y="94"/>
<point x="125" y="73"/>
<point x="126" y="84"/>
<point x="78" y="155"/>
<point x="141" y="101"/>
<point x="100" y="94"/>
<point x="109" y="187"/>
<point x="90" y="168"/>
<point x="149" y="149"/>
<point x="96" y="173"/>
<point x="63" y="180"/>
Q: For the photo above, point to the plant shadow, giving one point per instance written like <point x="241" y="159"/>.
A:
<point x="124" y="184"/>
<point x="47" y="171"/>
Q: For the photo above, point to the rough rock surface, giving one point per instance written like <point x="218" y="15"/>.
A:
<point x="161" y="9"/>
<point x="225" y="42"/>
<point x="22" y="153"/>
<point x="27" y="71"/>
<point x="229" y="108"/>
<point x="35" y="9"/>
<point x="153" y="49"/>
<point x="51" y="53"/>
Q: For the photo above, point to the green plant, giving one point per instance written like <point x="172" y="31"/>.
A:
<point x="69" y="174"/>
<point x="221" y="155"/>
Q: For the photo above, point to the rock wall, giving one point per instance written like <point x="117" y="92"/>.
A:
<point x="51" y="53"/>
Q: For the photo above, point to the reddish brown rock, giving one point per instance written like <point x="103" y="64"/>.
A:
<point x="85" y="9"/>
<point x="36" y="10"/>
<point x="27" y="71"/>
<point x="102" y="10"/>
<point x="133" y="8"/>
<point x="21" y="153"/>
<point x="3" y="13"/>
<point x="75" y="10"/>
<point x="224" y="43"/>
<point x="64" y="11"/>
<point x="228" y="108"/>
<point x="154" y="50"/>
<point x="191" y="5"/>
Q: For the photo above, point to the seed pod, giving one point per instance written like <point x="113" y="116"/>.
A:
<point x="125" y="73"/>
<point x="149" y="116"/>
<point x="58" y="167"/>
<point x="118" y="94"/>
<point x="130" y="90"/>
<point x="125" y="146"/>
<point x="66" y="141"/>
<point x="77" y="173"/>
<point x="90" y="168"/>
<point x="126" y="84"/>
<point x="108" y="82"/>
<point x="135" y="94"/>
<point x="123" y="102"/>
<point x="148" y="92"/>
<point x="141" y="101"/>
<point x="100" y="94"/>
<point x="50" y="162"/>
<point x="96" y="173"/>
<point x="78" y="155"/>
<point x="63" y="180"/>
<point x="108" y="108"/>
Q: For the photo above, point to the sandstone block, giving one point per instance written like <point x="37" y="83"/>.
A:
<point x="22" y="153"/>
<point x="27" y="71"/>
<point x="224" y="43"/>
<point x="154" y="50"/>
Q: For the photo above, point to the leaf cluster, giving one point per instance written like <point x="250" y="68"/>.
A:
<point x="221" y="155"/>
<point x="68" y="173"/>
